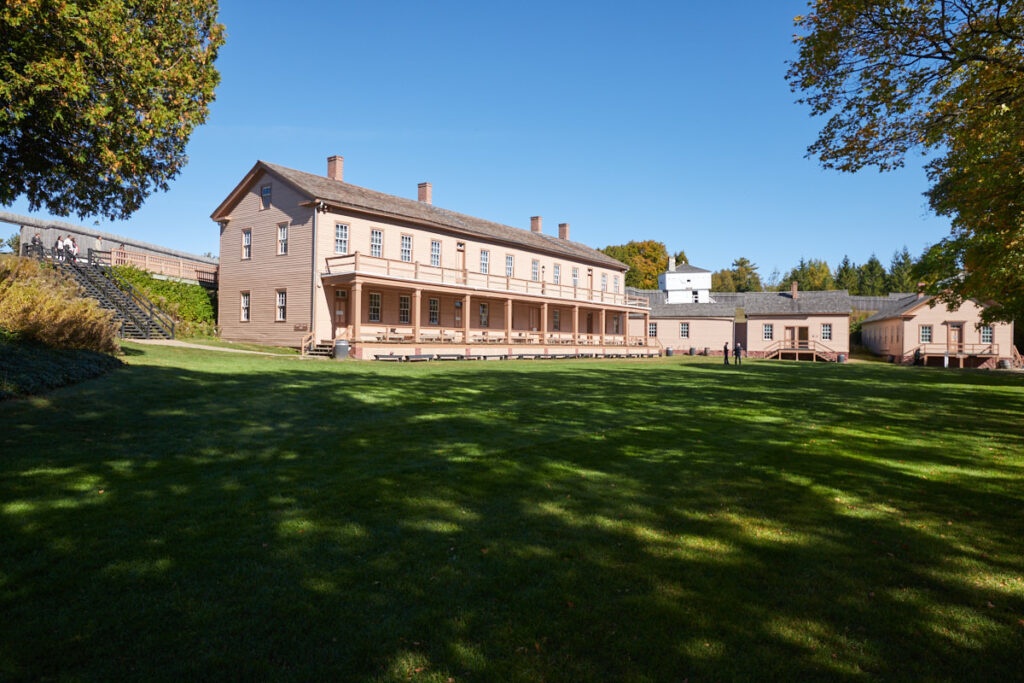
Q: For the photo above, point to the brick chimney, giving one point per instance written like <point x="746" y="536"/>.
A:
<point x="535" y="223"/>
<point x="426" y="193"/>
<point x="335" y="166"/>
<point x="794" y="290"/>
<point x="920" y="289"/>
<point x="563" y="231"/>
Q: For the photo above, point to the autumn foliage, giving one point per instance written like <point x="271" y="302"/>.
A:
<point x="945" y="78"/>
<point x="38" y="304"/>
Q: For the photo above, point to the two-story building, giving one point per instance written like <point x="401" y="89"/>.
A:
<point x="309" y="259"/>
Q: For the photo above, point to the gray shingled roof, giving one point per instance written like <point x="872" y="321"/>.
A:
<point x="753" y="303"/>
<point x="897" y="308"/>
<point x="355" y="197"/>
<point x="687" y="268"/>
<point x="876" y="303"/>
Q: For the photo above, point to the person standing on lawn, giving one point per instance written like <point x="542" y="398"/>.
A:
<point x="738" y="353"/>
<point x="725" y="352"/>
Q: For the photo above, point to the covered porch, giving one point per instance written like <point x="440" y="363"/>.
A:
<point x="376" y="315"/>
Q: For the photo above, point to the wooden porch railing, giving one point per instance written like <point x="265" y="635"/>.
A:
<point x="784" y="345"/>
<point x="171" y="266"/>
<point x="457" y="335"/>
<point x="416" y="271"/>
<point x="965" y="349"/>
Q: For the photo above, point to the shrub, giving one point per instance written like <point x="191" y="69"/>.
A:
<point x="190" y="305"/>
<point x="30" y="369"/>
<point x="39" y="304"/>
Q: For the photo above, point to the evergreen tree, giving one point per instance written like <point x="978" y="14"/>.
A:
<point x="872" y="278"/>
<point x="901" y="276"/>
<point x="847" y="277"/>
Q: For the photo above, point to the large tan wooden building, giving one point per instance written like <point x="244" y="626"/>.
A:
<point x="310" y="259"/>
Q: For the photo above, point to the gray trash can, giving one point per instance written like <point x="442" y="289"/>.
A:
<point x="341" y="349"/>
<point x="842" y="358"/>
<point x="670" y="351"/>
<point x="693" y="351"/>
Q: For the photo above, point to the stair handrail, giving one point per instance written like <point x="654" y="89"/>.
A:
<point x="307" y="343"/>
<point x="125" y="310"/>
<point x="158" y="318"/>
<point x="1018" y="359"/>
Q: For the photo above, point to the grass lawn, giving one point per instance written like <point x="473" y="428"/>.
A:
<point x="253" y="517"/>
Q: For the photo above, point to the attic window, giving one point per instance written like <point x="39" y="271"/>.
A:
<point x="264" y="197"/>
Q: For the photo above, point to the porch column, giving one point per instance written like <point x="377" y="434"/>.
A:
<point x="465" y="318"/>
<point x="508" y="321"/>
<point x="600" y="319"/>
<point x="417" y="313"/>
<point x="357" y="309"/>
<point x="647" y="326"/>
<point x="544" y="322"/>
<point x="575" y="324"/>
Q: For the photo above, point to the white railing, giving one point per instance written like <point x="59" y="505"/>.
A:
<point x="458" y="335"/>
<point x="418" y="272"/>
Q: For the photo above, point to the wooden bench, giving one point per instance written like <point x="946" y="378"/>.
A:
<point x="449" y="356"/>
<point x="388" y="356"/>
<point x="417" y="357"/>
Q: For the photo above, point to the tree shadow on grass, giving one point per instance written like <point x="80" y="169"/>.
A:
<point x="513" y="522"/>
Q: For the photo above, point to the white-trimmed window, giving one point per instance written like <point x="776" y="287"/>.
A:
<point x="769" y="332"/>
<point x="986" y="334"/>
<point x="377" y="243"/>
<point x="556" y="274"/>
<point x="246" y="244"/>
<point x="435" y="253"/>
<point x="264" y="197"/>
<point x="510" y="265"/>
<point x="615" y="283"/>
<point x="652" y="329"/>
<point x="282" y="239"/>
<point x="684" y="330"/>
<point x="484" y="322"/>
<point x="485" y="261"/>
<point x="404" y="305"/>
<point x="535" y="270"/>
<point x="434" y="309"/>
<point x="406" y="252"/>
<point x="556" y="320"/>
<point x="373" y="312"/>
<point x="926" y="334"/>
<point x="604" y="282"/>
<point x="575" y="277"/>
<point x="826" y="331"/>
<point x="244" y="303"/>
<point x="282" y="305"/>
<point x="340" y="238"/>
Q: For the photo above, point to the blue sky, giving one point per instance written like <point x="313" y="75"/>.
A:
<point x="669" y="121"/>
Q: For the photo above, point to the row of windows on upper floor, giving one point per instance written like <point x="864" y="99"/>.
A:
<point x="924" y="334"/>
<point x="341" y="246"/>
<point x="767" y="331"/>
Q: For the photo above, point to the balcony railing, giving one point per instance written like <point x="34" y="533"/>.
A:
<point x="418" y="272"/>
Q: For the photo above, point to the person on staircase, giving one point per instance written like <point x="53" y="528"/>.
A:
<point x="74" y="249"/>
<point x="58" y="248"/>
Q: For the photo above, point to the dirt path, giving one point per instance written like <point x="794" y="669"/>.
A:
<point x="204" y="347"/>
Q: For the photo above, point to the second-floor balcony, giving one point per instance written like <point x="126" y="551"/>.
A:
<point x="454" y="277"/>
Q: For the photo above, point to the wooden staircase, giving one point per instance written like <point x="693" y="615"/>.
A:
<point x="792" y="349"/>
<point x="316" y="349"/>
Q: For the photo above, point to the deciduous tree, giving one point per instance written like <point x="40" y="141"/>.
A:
<point x="948" y="78"/>
<point x="98" y="99"/>
<point x="646" y="260"/>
